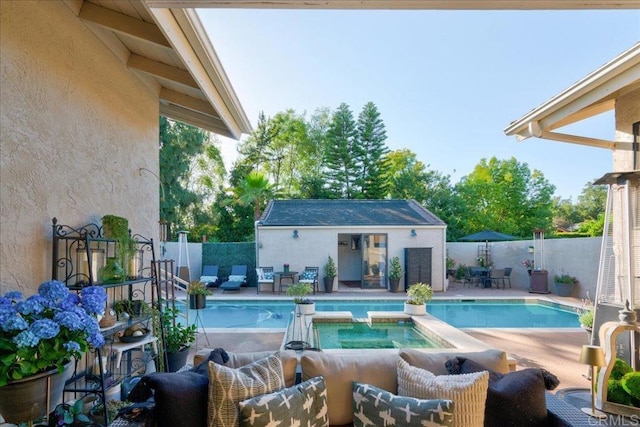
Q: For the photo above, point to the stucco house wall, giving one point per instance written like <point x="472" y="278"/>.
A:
<point x="78" y="132"/>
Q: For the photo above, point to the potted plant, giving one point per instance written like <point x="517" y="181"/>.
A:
<point x="177" y="339"/>
<point x="197" y="292"/>
<point x="51" y="328"/>
<point x="299" y="292"/>
<point x="565" y="283"/>
<point x="330" y="274"/>
<point x="586" y="315"/>
<point x="395" y="272"/>
<point x="417" y="295"/>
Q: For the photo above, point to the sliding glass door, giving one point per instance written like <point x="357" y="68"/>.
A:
<point x="374" y="261"/>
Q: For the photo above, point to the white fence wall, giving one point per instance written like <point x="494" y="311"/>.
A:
<point x="578" y="257"/>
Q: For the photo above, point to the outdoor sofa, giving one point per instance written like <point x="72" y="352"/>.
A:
<point x="345" y="388"/>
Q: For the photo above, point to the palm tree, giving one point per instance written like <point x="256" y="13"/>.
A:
<point x="255" y="189"/>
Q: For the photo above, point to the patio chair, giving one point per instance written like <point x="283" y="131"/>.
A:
<point x="265" y="276"/>
<point x="310" y="276"/>
<point x="210" y="276"/>
<point x="237" y="278"/>
<point x="497" y="276"/>
<point x="507" y="276"/>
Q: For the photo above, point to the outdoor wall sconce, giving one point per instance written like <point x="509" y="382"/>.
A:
<point x="413" y="232"/>
<point x="295" y="234"/>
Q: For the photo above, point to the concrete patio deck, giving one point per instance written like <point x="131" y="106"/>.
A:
<point x="556" y="350"/>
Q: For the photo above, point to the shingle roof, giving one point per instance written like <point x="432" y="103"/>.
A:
<point x="302" y="213"/>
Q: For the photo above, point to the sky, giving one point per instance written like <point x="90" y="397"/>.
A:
<point x="446" y="83"/>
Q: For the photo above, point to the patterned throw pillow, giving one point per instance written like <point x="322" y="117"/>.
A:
<point x="268" y="276"/>
<point x="308" y="275"/>
<point x="228" y="387"/>
<point x="468" y="391"/>
<point x="373" y="406"/>
<point x="304" y="404"/>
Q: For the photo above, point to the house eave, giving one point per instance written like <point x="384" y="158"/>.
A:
<point x="594" y="94"/>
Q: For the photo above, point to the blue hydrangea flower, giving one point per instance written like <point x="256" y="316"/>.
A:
<point x="70" y="301"/>
<point x="45" y="328"/>
<point x="12" y="296"/>
<point x="35" y="304"/>
<point x="7" y="312"/>
<point x="96" y="340"/>
<point x="71" y="346"/>
<point x="53" y="290"/>
<point x="26" y="339"/>
<point x="93" y="299"/>
<point x="15" y="323"/>
<point x="69" y="320"/>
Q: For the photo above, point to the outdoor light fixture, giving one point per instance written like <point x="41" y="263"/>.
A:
<point x="295" y="234"/>
<point x="593" y="356"/>
<point x="413" y="232"/>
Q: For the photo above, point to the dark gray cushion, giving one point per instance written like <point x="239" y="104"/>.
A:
<point x="515" y="399"/>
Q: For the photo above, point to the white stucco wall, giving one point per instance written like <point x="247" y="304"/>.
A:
<point x="76" y="126"/>
<point x="314" y="245"/>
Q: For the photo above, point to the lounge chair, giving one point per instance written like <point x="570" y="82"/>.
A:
<point x="210" y="276"/>
<point x="265" y="276"/>
<point x="237" y="278"/>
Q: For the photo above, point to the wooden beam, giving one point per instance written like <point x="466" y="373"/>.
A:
<point x="400" y="4"/>
<point x="160" y="70"/>
<point x="188" y="102"/>
<point x="209" y="123"/>
<point x="123" y="24"/>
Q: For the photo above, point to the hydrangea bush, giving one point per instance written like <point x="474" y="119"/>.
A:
<point x="45" y="330"/>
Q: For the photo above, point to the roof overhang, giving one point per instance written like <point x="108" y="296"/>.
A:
<point x="402" y="4"/>
<point x="594" y="94"/>
<point x="170" y="52"/>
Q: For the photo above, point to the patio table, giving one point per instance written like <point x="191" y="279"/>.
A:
<point x="290" y="275"/>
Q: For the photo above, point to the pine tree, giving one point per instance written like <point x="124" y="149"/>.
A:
<point x="341" y="160"/>
<point x="372" y="149"/>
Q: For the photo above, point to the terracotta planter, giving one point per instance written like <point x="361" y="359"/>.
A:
<point x="415" y="310"/>
<point x="197" y="302"/>
<point x="25" y="400"/>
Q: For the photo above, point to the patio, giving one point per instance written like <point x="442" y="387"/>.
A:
<point x="556" y="351"/>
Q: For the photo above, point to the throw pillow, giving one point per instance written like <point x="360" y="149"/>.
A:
<point x="468" y="391"/>
<point x="373" y="406"/>
<point x="307" y="275"/>
<point x="268" y="276"/>
<point x="228" y="387"/>
<point x="513" y="399"/>
<point x="180" y="398"/>
<point x="304" y="404"/>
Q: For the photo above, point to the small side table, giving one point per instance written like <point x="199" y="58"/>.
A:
<point x="289" y="275"/>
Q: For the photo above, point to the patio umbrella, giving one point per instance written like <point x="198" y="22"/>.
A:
<point x="487" y="236"/>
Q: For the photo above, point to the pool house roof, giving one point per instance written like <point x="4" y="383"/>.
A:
<point x="328" y="213"/>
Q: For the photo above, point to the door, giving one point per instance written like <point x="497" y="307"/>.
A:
<point x="417" y="265"/>
<point x="374" y="256"/>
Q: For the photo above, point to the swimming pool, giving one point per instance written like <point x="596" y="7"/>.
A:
<point x="457" y="313"/>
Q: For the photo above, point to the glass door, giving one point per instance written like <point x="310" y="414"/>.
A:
<point x="374" y="261"/>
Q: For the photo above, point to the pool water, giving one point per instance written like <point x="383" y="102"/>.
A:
<point x="355" y="335"/>
<point x="457" y="313"/>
